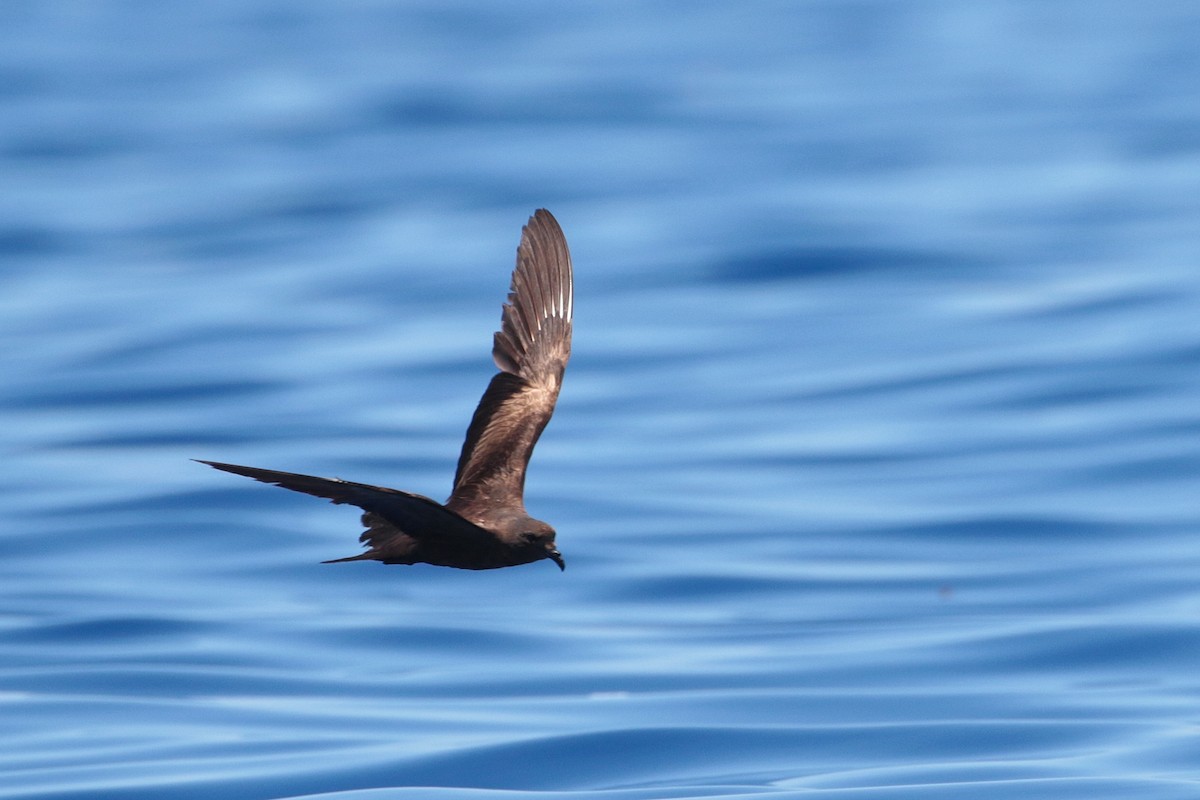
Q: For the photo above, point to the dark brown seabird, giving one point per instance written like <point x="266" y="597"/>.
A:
<point x="483" y="525"/>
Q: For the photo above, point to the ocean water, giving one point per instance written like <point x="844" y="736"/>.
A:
<point x="876" y="468"/>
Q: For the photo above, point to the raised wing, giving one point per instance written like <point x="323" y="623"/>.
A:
<point x="531" y="348"/>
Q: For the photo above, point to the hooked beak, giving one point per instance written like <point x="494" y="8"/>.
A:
<point x="555" y="556"/>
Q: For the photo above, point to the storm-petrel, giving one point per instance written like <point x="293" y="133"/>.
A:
<point x="483" y="525"/>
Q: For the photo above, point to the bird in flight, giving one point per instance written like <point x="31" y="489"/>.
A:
<point x="483" y="525"/>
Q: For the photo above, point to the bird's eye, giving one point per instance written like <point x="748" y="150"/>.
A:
<point x="529" y="537"/>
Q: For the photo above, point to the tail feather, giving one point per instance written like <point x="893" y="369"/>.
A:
<point x="370" y="555"/>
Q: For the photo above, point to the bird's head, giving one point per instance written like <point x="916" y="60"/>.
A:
<point x="538" y="538"/>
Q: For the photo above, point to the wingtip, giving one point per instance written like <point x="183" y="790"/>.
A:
<point x="543" y="218"/>
<point x="236" y="469"/>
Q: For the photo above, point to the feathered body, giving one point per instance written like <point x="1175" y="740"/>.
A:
<point x="483" y="524"/>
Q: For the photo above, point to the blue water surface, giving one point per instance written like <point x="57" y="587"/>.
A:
<point x="876" y="468"/>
